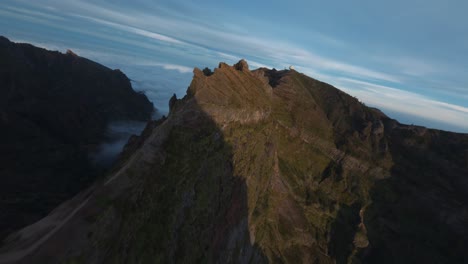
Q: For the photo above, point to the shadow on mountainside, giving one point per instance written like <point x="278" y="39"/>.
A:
<point x="184" y="204"/>
<point x="188" y="208"/>
<point x="54" y="111"/>
<point x="419" y="214"/>
<point x="201" y="203"/>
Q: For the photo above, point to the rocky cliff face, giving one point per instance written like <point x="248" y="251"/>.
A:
<point x="54" y="109"/>
<point x="267" y="166"/>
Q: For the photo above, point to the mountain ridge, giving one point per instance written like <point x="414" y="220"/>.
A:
<point x="267" y="166"/>
<point x="54" y="112"/>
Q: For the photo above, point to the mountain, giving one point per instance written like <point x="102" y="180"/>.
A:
<point x="54" y="111"/>
<point x="266" y="166"/>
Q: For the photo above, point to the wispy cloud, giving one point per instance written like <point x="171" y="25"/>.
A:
<point x="118" y="59"/>
<point x="138" y="31"/>
<point x="110" y="58"/>
<point x="34" y="13"/>
<point x="166" y="36"/>
<point x="406" y="102"/>
<point x="166" y="66"/>
<point x="25" y="17"/>
<point x="200" y="34"/>
<point x="414" y="67"/>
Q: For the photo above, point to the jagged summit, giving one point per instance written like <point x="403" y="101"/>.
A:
<point x="70" y="52"/>
<point x="268" y="166"/>
<point x="241" y="65"/>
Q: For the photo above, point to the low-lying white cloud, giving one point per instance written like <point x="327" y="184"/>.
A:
<point x="166" y="66"/>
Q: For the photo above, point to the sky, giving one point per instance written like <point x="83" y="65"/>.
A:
<point x="408" y="58"/>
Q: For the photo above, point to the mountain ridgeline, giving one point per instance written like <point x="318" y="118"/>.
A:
<point x="54" y="111"/>
<point x="266" y="166"/>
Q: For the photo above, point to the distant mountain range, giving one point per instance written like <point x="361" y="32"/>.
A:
<point x="266" y="166"/>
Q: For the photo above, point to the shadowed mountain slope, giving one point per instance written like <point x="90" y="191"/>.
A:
<point x="54" y="110"/>
<point x="267" y="166"/>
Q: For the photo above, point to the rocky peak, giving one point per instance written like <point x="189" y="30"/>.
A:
<point x="71" y="53"/>
<point x="242" y="66"/>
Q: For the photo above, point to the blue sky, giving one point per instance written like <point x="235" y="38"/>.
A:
<point x="408" y="59"/>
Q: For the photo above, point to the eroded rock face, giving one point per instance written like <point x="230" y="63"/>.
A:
<point x="241" y="171"/>
<point x="242" y="66"/>
<point x="54" y="109"/>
